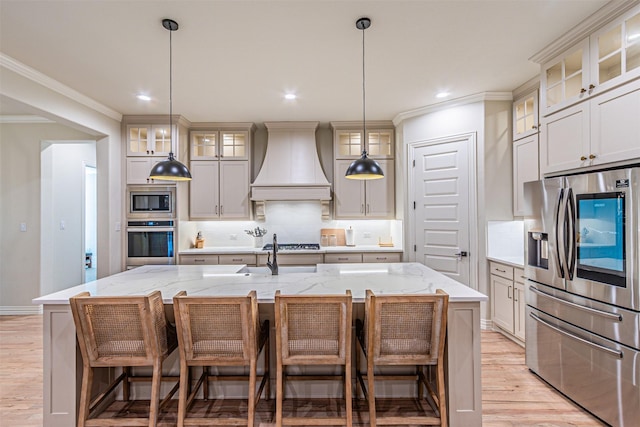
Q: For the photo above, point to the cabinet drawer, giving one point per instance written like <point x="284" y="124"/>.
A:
<point x="501" y="270"/>
<point x="204" y="259"/>
<point x="340" y="258"/>
<point x="518" y="275"/>
<point x="293" y="259"/>
<point x="381" y="257"/>
<point x="249" y="259"/>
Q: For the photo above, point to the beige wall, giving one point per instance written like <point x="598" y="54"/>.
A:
<point x="20" y="189"/>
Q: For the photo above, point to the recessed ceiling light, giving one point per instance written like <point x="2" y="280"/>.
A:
<point x="142" y="97"/>
<point x="442" y="95"/>
<point x="290" y="96"/>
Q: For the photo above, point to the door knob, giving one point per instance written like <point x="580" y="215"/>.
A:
<point x="461" y="254"/>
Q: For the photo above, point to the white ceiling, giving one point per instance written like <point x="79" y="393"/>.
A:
<point x="233" y="60"/>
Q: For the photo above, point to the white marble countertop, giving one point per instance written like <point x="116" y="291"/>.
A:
<point x="513" y="261"/>
<point x="210" y="250"/>
<point x="221" y="280"/>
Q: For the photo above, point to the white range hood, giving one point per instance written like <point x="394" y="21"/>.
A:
<point x="291" y="169"/>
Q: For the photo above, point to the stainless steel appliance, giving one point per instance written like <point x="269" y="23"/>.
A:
<point x="583" y="292"/>
<point x="150" y="242"/>
<point x="151" y="202"/>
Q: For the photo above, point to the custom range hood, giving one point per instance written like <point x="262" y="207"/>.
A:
<point x="291" y="169"/>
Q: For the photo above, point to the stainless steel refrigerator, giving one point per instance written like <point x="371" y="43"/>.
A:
<point x="583" y="294"/>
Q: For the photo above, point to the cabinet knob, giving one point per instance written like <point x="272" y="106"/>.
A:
<point x="592" y="156"/>
<point x="153" y="152"/>
<point x="583" y="158"/>
<point x="534" y="127"/>
<point x="147" y="151"/>
<point x="583" y="90"/>
<point x="591" y="87"/>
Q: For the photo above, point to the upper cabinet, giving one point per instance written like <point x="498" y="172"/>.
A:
<point x="149" y="140"/>
<point x="602" y="61"/>
<point x="374" y="199"/>
<point x="349" y="143"/>
<point x="525" y="115"/>
<point x="221" y="171"/>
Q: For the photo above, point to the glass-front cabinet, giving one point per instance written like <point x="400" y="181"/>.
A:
<point x="565" y="79"/>
<point x="349" y="143"/>
<point x="616" y="51"/>
<point x="149" y="140"/>
<point x="525" y="115"/>
<point x="214" y="145"/>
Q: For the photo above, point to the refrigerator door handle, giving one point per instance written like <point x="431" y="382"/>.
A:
<point x="607" y="315"/>
<point x="611" y="352"/>
<point x="556" y="233"/>
<point x="570" y="234"/>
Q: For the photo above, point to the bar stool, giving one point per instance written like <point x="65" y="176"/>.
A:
<point x="313" y="330"/>
<point x="405" y="330"/>
<point x="121" y="332"/>
<point x="223" y="331"/>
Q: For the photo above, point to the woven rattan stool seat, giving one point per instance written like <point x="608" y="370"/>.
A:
<point x="404" y="330"/>
<point x="121" y="332"/>
<point x="313" y="330"/>
<point x="222" y="331"/>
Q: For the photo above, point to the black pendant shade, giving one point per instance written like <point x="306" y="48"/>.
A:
<point x="170" y="169"/>
<point x="364" y="167"/>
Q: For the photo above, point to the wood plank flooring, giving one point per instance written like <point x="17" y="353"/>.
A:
<point x="511" y="395"/>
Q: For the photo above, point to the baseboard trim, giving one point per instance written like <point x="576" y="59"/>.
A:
<point x="20" y="310"/>
<point x="486" y="325"/>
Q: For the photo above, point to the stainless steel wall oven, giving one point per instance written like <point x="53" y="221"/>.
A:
<point x="583" y="289"/>
<point x="150" y="242"/>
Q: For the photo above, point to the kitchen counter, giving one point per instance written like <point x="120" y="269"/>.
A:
<point x="61" y="359"/>
<point x="513" y="261"/>
<point x="210" y="250"/>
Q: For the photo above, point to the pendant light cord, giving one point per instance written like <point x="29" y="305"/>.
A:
<point x="171" y="93"/>
<point x="364" y="122"/>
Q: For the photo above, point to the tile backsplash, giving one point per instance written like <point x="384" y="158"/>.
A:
<point x="293" y="222"/>
<point x="505" y="239"/>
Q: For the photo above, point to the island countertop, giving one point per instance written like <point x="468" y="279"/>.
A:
<point x="221" y="280"/>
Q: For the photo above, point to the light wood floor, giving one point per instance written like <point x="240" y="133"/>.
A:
<point x="511" y="395"/>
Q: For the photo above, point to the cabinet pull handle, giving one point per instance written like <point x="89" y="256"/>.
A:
<point x="592" y="156"/>
<point x="583" y="158"/>
<point x="501" y="271"/>
<point x="368" y="208"/>
<point x="515" y="295"/>
<point x="221" y="210"/>
<point x="236" y="259"/>
<point x="583" y="90"/>
<point x="509" y="292"/>
<point x="198" y="260"/>
<point x="381" y="258"/>
<point x="362" y="208"/>
<point x="343" y="259"/>
<point x="216" y="209"/>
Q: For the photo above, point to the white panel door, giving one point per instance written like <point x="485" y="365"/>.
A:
<point x="441" y="187"/>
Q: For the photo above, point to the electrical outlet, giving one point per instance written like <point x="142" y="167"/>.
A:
<point x="118" y="226"/>
<point x="233" y="237"/>
<point x="63" y="225"/>
<point x="366" y="235"/>
<point x="23" y="226"/>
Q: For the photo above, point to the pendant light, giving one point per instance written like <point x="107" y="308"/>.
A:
<point x="170" y="169"/>
<point x="364" y="167"/>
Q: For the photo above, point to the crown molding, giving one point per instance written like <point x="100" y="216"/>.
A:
<point x="527" y="87"/>
<point x="597" y="20"/>
<point x="24" y="119"/>
<point x="471" y="99"/>
<point x="36" y="76"/>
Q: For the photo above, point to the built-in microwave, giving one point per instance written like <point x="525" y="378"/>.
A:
<point x="151" y="202"/>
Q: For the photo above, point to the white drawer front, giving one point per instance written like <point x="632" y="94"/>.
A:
<point x="502" y="270"/>
<point x="340" y="258"/>
<point x="381" y="257"/>
<point x="204" y="259"/>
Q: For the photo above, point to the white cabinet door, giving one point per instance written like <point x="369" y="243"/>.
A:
<point x="234" y="189"/>
<point x="519" y="310"/>
<point x="565" y="139"/>
<point x="525" y="115"/>
<point x="204" y="190"/>
<point x="502" y="302"/>
<point x="615" y="125"/>
<point x="525" y="169"/>
<point x="138" y="169"/>
<point x="349" y="198"/>
<point x="380" y="193"/>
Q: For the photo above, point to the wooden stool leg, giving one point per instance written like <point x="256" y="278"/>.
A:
<point x="155" y="394"/>
<point x="126" y="386"/>
<point x="183" y="393"/>
<point x="251" y="404"/>
<point x="267" y="371"/>
<point x="348" y="394"/>
<point x="85" y="395"/>
<point x="372" y="393"/>
<point x="205" y="384"/>
<point x="279" y="394"/>
<point x="442" y="398"/>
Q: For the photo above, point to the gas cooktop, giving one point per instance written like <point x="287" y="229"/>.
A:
<point x="293" y="246"/>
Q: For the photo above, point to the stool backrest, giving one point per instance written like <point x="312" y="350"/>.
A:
<point x="406" y="329"/>
<point x="120" y="331"/>
<point x="313" y="329"/>
<point x="216" y="330"/>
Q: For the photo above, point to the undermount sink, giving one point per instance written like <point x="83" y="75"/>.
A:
<point x="281" y="270"/>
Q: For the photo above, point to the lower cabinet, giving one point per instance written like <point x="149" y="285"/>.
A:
<point x="507" y="299"/>
<point x="291" y="258"/>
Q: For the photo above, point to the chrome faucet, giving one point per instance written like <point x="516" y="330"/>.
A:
<point x="273" y="266"/>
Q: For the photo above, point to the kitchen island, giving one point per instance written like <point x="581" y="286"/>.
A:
<point x="62" y="361"/>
